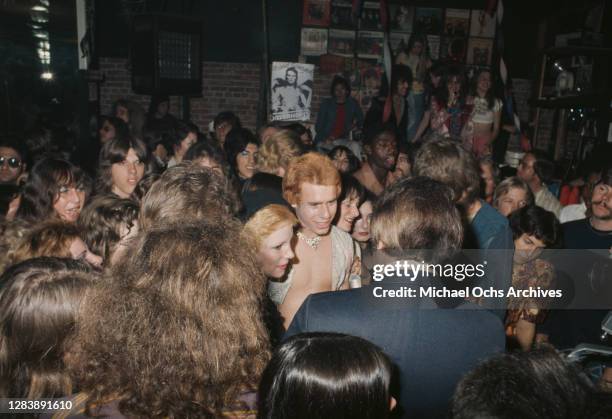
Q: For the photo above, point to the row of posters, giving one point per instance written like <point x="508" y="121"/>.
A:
<point x="403" y="18"/>
<point x="369" y="44"/>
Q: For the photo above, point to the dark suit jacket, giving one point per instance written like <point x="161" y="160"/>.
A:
<point x="432" y="347"/>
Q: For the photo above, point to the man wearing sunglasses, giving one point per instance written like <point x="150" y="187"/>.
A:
<point x="12" y="164"/>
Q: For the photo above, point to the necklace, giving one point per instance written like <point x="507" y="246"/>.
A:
<point x="310" y="241"/>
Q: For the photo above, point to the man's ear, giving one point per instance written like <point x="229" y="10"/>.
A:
<point x="380" y="245"/>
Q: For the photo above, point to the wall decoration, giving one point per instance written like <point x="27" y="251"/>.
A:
<point x="428" y="20"/>
<point x="314" y="41"/>
<point x="370" y="44"/>
<point x="342" y="14"/>
<point x="316" y="13"/>
<point x="401" y="17"/>
<point x="480" y="51"/>
<point x="482" y="24"/>
<point x="292" y="87"/>
<point x="456" y="22"/>
<point x="433" y="42"/>
<point x="341" y="42"/>
<point x="370" y="17"/>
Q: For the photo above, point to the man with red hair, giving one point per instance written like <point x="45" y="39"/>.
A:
<point x="324" y="254"/>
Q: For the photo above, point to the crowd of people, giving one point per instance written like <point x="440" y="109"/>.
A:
<point x="169" y="272"/>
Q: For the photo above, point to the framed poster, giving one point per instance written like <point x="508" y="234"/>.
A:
<point x="314" y="41"/>
<point x="342" y="14"/>
<point x="456" y="22"/>
<point x="482" y="25"/>
<point x="401" y="17"/>
<point x="480" y="51"/>
<point x="433" y="42"/>
<point x="428" y="20"/>
<point x="316" y="13"/>
<point x="341" y="42"/>
<point x="370" y="17"/>
<point x="370" y="44"/>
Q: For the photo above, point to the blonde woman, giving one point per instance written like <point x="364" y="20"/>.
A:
<point x="275" y="154"/>
<point x="271" y="229"/>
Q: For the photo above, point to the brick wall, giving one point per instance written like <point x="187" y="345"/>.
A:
<point x="225" y="86"/>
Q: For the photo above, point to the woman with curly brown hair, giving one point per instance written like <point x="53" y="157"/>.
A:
<point x="176" y="331"/>
<point x="39" y="301"/>
<point x="109" y="224"/>
<point x="55" y="189"/>
<point x="53" y="239"/>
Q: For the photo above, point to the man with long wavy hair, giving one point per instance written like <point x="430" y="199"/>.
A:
<point x="176" y="330"/>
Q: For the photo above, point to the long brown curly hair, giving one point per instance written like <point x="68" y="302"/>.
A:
<point x="176" y="331"/>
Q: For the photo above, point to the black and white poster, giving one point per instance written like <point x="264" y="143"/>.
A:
<point x="292" y="86"/>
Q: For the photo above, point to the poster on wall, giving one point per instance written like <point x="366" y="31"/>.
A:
<point x="398" y="41"/>
<point x="314" y="41"/>
<point x="482" y="24"/>
<point x="428" y="20"/>
<point x="370" y="17"/>
<point x="402" y="17"/>
<point x="370" y="44"/>
<point x="342" y="14"/>
<point x="433" y="42"/>
<point x="316" y="13"/>
<point x="480" y="51"/>
<point x="456" y="22"/>
<point x="292" y="87"/>
<point x="371" y="80"/>
<point x="341" y="42"/>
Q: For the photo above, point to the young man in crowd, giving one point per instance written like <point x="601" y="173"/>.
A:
<point x="589" y="271"/>
<point x="184" y="136"/>
<point x="381" y="148"/>
<point x="448" y="162"/>
<point x="12" y="161"/>
<point x="324" y="254"/>
<point x="186" y="192"/>
<point x="536" y="171"/>
<point x="223" y="123"/>
<point x="432" y="347"/>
